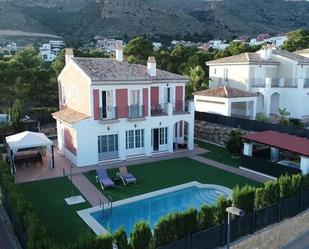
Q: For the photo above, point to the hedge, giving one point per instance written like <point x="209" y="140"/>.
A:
<point x="26" y="224"/>
<point x="170" y="228"/>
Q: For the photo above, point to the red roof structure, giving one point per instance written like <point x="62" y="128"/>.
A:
<point x="279" y="140"/>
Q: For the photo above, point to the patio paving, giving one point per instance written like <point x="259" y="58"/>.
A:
<point x="88" y="190"/>
<point x="63" y="166"/>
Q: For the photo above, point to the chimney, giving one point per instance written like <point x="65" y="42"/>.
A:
<point x="269" y="51"/>
<point x="264" y="52"/>
<point x="119" y="51"/>
<point x="152" y="66"/>
<point x="68" y="55"/>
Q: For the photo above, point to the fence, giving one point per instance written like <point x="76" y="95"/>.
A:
<point x="244" y="225"/>
<point x="267" y="167"/>
<point x="250" y="125"/>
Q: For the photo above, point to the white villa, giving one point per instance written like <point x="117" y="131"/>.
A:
<point x="111" y="110"/>
<point x="279" y="78"/>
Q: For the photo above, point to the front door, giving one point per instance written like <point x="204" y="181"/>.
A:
<point x="155" y="139"/>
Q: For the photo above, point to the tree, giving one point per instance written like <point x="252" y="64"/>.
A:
<point x="284" y="116"/>
<point x="139" y="48"/>
<point x="16" y="115"/>
<point x="234" y="144"/>
<point x="298" y="39"/>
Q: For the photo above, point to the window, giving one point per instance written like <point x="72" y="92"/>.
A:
<point x="163" y="135"/>
<point x="134" y="139"/>
<point x="215" y="71"/>
<point x="108" y="143"/>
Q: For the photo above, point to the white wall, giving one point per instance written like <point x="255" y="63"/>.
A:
<point x="89" y="130"/>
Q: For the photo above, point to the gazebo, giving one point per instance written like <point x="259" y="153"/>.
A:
<point x="28" y="140"/>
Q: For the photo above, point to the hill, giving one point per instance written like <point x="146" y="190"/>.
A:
<point x="160" y="19"/>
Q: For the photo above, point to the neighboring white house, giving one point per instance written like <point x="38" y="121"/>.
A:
<point x="226" y="101"/>
<point x="279" y="78"/>
<point x="47" y="53"/>
<point x="111" y="110"/>
<point x="108" y="44"/>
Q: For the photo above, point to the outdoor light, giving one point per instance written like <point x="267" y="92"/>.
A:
<point x="236" y="211"/>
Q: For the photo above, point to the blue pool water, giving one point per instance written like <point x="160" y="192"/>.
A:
<point x="152" y="208"/>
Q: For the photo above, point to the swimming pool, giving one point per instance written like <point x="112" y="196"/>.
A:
<point x="151" y="206"/>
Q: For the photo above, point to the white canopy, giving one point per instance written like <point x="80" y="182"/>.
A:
<point x="27" y="139"/>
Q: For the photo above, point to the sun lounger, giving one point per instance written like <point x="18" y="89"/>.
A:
<point x="104" y="179"/>
<point x="125" y="177"/>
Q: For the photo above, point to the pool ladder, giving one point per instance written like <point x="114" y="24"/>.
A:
<point x="109" y="204"/>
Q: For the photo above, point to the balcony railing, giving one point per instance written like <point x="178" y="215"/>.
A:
<point x="181" y="106"/>
<point x="136" y="111"/>
<point x="160" y="109"/>
<point x="110" y="112"/>
<point x="256" y="82"/>
<point x="306" y="83"/>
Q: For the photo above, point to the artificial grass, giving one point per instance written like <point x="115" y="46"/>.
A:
<point x="168" y="173"/>
<point x="61" y="220"/>
<point x="219" y="154"/>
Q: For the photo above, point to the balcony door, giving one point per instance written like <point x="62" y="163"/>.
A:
<point x="106" y="104"/>
<point x="168" y="95"/>
<point x="135" y="103"/>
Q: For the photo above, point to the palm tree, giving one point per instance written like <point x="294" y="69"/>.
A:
<point x="197" y="75"/>
<point x="284" y="116"/>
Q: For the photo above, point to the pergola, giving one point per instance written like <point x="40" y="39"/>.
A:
<point x="29" y="140"/>
<point x="277" y="141"/>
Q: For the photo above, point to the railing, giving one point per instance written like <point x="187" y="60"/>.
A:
<point x="136" y="111"/>
<point x="306" y="83"/>
<point x="256" y="82"/>
<point x="160" y="109"/>
<point x="249" y="223"/>
<point x="289" y="82"/>
<point x="110" y="112"/>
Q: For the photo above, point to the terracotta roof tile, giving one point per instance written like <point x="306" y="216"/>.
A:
<point x="248" y="58"/>
<point x="105" y="69"/>
<point x="69" y="116"/>
<point x="281" y="141"/>
<point x="225" y="92"/>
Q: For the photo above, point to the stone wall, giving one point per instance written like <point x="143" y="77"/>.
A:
<point x="211" y="132"/>
<point x="277" y="235"/>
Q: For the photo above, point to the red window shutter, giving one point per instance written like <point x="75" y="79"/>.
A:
<point x="179" y="104"/>
<point x="122" y="102"/>
<point x="96" y="104"/>
<point x="145" y="100"/>
<point x="154" y="95"/>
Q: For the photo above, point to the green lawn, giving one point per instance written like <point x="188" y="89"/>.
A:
<point x="168" y="173"/>
<point x="218" y="153"/>
<point x="61" y="220"/>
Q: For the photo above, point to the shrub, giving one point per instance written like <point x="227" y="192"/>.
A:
<point x="120" y="239"/>
<point x="190" y="221"/>
<point x="267" y="195"/>
<point x="263" y="118"/>
<point x="296" y="184"/>
<point x="141" y="236"/>
<point x="206" y="216"/>
<point x="221" y="214"/>
<point x="164" y="231"/>
<point x="234" y="143"/>
<point x="296" y="123"/>
<point x="243" y="198"/>
<point x="305" y="182"/>
<point x="286" y="188"/>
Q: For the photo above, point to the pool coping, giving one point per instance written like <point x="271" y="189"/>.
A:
<point x="98" y="229"/>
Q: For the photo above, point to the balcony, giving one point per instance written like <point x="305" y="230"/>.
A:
<point x="306" y="83"/>
<point x="108" y="114"/>
<point x="159" y="110"/>
<point x="136" y="111"/>
<point x="181" y="107"/>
